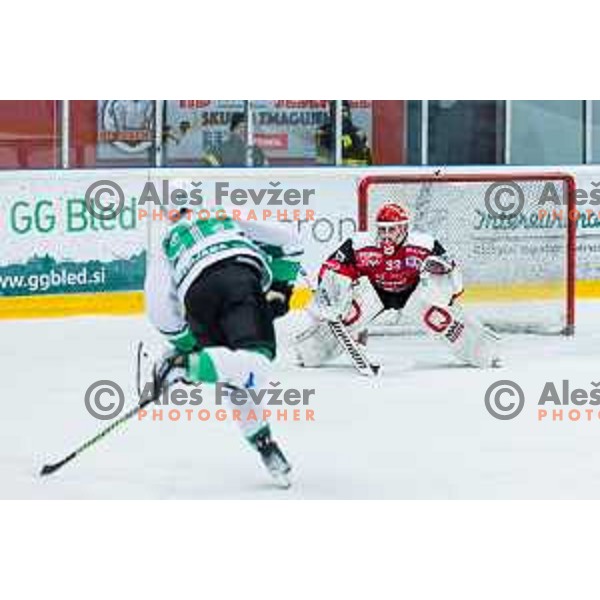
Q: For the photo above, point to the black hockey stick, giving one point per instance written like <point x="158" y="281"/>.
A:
<point x="357" y="355"/>
<point x="52" y="467"/>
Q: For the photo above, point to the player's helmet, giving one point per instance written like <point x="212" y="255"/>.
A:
<point x="392" y="225"/>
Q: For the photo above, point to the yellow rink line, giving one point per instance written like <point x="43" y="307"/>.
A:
<point x="128" y="303"/>
<point x="524" y="292"/>
<point x="531" y="292"/>
<point x="67" y="305"/>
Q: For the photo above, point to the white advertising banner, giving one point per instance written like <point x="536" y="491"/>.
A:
<point x="48" y="231"/>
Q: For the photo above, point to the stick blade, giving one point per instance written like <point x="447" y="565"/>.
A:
<point x="50" y="468"/>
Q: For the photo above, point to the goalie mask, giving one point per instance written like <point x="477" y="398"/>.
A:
<point x="391" y="221"/>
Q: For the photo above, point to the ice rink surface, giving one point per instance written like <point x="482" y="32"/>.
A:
<point x="421" y="430"/>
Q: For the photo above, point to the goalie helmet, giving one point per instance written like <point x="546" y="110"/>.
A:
<point x="392" y="226"/>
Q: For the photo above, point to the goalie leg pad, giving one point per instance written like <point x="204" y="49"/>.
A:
<point x="365" y="306"/>
<point x="467" y="338"/>
<point x="315" y="345"/>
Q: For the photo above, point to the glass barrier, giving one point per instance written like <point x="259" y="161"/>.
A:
<point x="111" y="133"/>
<point x="465" y="132"/>
<point x="30" y="134"/>
<point x="545" y="132"/>
<point x="207" y="133"/>
<point x="594" y="145"/>
<point x="219" y="133"/>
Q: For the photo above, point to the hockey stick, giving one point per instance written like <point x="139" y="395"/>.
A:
<point x="357" y="355"/>
<point x="52" y="467"/>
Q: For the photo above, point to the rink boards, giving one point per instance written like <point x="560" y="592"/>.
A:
<point x="58" y="260"/>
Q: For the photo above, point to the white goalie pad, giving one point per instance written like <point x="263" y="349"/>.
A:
<point x="316" y="345"/>
<point x="467" y="338"/>
<point x="364" y="307"/>
<point x="334" y="295"/>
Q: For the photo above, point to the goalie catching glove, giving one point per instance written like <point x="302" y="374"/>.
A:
<point x="438" y="265"/>
<point x="440" y="279"/>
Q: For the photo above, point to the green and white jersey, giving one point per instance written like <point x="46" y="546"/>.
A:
<point x="191" y="246"/>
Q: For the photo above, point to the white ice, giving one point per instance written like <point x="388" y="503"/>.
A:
<point x="419" y="431"/>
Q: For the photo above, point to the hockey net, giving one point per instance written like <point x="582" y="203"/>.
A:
<point x="518" y="270"/>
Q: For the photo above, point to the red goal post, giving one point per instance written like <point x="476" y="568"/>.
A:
<point x="521" y="269"/>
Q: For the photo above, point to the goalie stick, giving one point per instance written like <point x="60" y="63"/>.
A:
<point x="49" y="468"/>
<point x="351" y="348"/>
<point x="357" y="355"/>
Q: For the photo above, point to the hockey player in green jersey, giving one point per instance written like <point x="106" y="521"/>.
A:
<point x="213" y="289"/>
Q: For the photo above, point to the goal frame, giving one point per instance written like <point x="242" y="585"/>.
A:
<point x="366" y="183"/>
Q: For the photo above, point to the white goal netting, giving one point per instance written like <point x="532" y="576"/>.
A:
<point x="511" y="235"/>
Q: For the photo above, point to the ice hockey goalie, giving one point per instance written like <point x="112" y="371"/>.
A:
<point x="393" y="268"/>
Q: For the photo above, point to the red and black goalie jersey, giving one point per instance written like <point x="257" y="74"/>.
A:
<point x="394" y="272"/>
